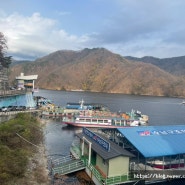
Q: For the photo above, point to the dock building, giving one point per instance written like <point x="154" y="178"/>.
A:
<point x="104" y="161"/>
<point x="156" y="147"/>
<point x="22" y="96"/>
<point x="27" y="81"/>
<point x="132" y="155"/>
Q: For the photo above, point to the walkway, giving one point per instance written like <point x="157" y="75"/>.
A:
<point x="66" y="165"/>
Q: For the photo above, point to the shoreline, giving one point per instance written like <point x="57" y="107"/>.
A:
<point x="37" y="172"/>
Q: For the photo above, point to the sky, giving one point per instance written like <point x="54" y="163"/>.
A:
<point x="138" y="28"/>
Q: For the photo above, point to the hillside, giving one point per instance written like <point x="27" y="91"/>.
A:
<point x="174" y="65"/>
<point x="100" y="70"/>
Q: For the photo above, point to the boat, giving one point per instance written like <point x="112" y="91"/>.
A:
<point x="183" y="102"/>
<point x="72" y="107"/>
<point x="105" y="119"/>
<point x="167" y="163"/>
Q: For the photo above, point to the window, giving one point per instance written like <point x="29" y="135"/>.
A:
<point x="103" y="161"/>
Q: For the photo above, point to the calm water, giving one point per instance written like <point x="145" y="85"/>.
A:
<point x="161" y="111"/>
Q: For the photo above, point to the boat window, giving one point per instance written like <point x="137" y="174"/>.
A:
<point x="103" y="161"/>
<point x="117" y="122"/>
<point x="122" y="121"/>
<point x="81" y="120"/>
<point x="94" y="120"/>
<point x="88" y="120"/>
<point x="105" y="121"/>
<point x="100" y="121"/>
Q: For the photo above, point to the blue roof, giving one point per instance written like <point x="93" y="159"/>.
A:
<point x="155" y="141"/>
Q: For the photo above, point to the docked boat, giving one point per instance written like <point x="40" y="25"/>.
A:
<point x="72" y="107"/>
<point x="105" y="119"/>
<point x="167" y="164"/>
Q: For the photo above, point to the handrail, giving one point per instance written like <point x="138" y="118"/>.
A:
<point x="8" y="113"/>
<point x="68" y="167"/>
<point x="13" y="92"/>
<point x="61" y="160"/>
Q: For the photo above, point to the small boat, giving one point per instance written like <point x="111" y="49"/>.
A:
<point x="105" y="119"/>
<point x="183" y="102"/>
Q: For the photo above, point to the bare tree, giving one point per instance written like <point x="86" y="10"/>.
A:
<point x="4" y="60"/>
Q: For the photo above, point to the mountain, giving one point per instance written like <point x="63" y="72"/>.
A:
<point x="100" y="70"/>
<point x="174" y="65"/>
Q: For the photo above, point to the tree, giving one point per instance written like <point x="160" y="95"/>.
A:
<point x="4" y="60"/>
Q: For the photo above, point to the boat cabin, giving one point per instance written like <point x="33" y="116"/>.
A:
<point x="89" y="120"/>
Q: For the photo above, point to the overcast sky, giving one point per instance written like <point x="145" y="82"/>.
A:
<point x="35" y="28"/>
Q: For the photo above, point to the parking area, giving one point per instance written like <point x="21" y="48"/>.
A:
<point x="15" y="108"/>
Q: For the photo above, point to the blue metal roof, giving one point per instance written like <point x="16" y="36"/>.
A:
<point x="155" y="141"/>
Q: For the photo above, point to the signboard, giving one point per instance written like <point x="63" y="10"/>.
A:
<point x="102" y="142"/>
<point x="160" y="132"/>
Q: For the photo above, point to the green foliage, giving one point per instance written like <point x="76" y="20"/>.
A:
<point x="14" y="150"/>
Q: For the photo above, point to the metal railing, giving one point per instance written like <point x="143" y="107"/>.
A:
<point x="72" y="166"/>
<point x="4" y="93"/>
<point x="62" y="160"/>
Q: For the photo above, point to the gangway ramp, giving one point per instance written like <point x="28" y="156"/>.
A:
<point x="67" y="165"/>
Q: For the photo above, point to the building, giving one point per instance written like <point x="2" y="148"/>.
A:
<point x="106" y="161"/>
<point x="129" y="156"/>
<point x="156" y="147"/>
<point x="27" y="82"/>
<point x="16" y="97"/>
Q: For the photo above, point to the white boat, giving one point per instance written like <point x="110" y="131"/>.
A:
<point x="104" y="119"/>
<point x="167" y="164"/>
<point x="183" y="102"/>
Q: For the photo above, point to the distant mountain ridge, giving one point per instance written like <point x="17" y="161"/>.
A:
<point x="100" y="70"/>
<point x="174" y="65"/>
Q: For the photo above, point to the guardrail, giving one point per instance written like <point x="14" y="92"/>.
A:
<point x="60" y="161"/>
<point x="7" y="113"/>
<point x="13" y="92"/>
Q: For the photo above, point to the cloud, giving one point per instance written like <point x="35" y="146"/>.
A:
<point x="146" y="28"/>
<point x="136" y="28"/>
<point x="36" y="36"/>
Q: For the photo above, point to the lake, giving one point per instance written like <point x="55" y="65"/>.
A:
<point x="161" y="110"/>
